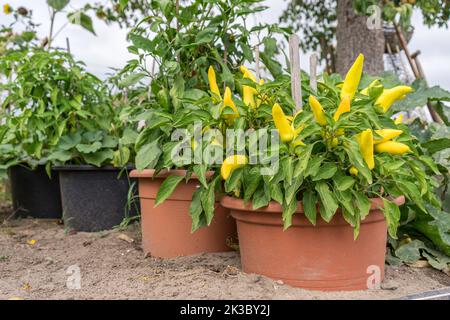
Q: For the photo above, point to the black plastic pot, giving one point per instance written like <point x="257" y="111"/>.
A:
<point x="94" y="199"/>
<point x="34" y="194"/>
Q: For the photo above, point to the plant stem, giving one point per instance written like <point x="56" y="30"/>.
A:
<point x="52" y="24"/>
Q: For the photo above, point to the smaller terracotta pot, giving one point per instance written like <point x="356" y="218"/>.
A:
<point x="322" y="257"/>
<point x="166" y="229"/>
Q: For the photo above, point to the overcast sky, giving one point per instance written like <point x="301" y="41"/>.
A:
<point x="109" y="48"/>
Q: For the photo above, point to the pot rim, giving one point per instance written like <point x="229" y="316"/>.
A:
<point x="153" y="173"/>
<point x="88" y="167"/>
<point x="275" y="207"/>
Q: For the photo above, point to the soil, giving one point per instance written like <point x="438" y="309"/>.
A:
<point x="38" y="258"/>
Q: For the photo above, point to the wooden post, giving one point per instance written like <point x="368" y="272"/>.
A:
<point x="313" y="71"/>
<point x="68" y="45"/>
<point x="294" y="57"/>
<point x="415" y="65"/>
<point x="404" y="45"/>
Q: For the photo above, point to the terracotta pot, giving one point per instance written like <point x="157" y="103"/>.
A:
<point x="166" y="229"/>
<point x="322" y="257"/>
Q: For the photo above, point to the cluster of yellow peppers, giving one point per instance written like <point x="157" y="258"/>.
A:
<point x="289" y="134"/>
<point x="365" y="139"/>
<point x="248" y="97"/>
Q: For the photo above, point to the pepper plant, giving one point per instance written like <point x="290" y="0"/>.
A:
<point x="55" y="112"/>
<point x="174" y="47"/>
<point x="340" y="151"/>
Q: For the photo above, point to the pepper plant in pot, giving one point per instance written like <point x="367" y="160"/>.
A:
<point x="317" y="214"/>
<point x="44" y="92"/>
<point x="93" y="161"/>
<point x="188" y="45"/>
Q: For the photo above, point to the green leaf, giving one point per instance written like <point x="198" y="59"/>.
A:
<point x="313" y="166"/>
<point x="167" y="188"/>
<point x="82" y="19"/>
<point x="437" y="145"/>
<point x="362" y="203"/>
<point x="61" y="155"/>
<point x="205" y="36"/>
<point x="288" y="211"/>
<point x="234" y="181"/>
<point x="123" y="4"/>
<point x="261" y="198"/>
<point x="410" y="252"/>
<point x="302" y="163"/>
<point x="392" y="215"/>
<point x="326" y="171"/>
<point x="351" y="147"/>
<point x="148" y="155"/>
<point x="342" y="182"/>
<point x="98" y="158"/>
<point x="292" y="189"/>
<point x="141" y="42"/>
<point x="129" y="137"/>
<point x="58" y="5"/>
<point x="309" y="206"/>
<point x="208" y="201"/>
<point x="276" y="193"/>
<point x="328" y="201"/>
<point x="251" y="183"/>
<point x="196" y="210"/>
<point x="121" y="157"/>
<point x="89" y="148"/>
<point x="345" y="198"/>
<point x="69" y="141"/>
<point x="132" y="79"/>
<point x="200" y="171"/>
<point x="288" y="168"/>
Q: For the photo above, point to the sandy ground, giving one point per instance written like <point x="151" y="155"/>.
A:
<point x="38" y="260"/>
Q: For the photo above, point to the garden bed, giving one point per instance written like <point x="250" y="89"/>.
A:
<point x="35" y="255"/>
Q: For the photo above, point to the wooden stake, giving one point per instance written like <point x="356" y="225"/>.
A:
<point x="294" y="56"/>
<point x="404" y="45"/>
<point x="68" y="45"/>
<point x="415" y="65"/>
<point x="313" y="71"/>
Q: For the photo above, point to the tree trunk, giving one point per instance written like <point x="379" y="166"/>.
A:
<point x="354" y="37"/>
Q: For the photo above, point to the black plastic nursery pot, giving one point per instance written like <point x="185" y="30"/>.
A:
<point x="34" y="193"/>
<point x="94" y="199"/>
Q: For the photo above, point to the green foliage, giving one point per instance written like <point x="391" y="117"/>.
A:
<point x="55" y="112"/>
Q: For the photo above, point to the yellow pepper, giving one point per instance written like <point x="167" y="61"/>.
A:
<point x="7" y="9"/>
<point x="249" y="92"/>
<point x="373" y="84"/>
<point x="386" y="135"/>
<point x="247" y="72"/>
<point x="282" y="123"/>
<point x="353" y="171"/>
<point x="317" y="110"/>
<point x="352" y="78"/>
<point x="399" y="119"/>
<point x="344" y="107"/>
<point x="228" y="102"/>
<point x="366" y="146"/>
<point x="392" y="147"/>
<point x="213" y="82"/>
<point x="232" y="163"/>
<point x="389" y="96"/>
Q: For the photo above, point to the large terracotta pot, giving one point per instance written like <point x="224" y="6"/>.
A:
<point x="166" y="229"/>
<point x="321" y="257"/>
